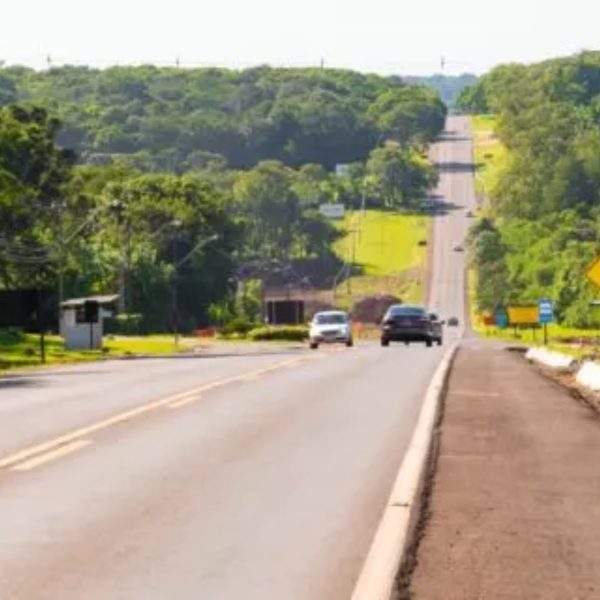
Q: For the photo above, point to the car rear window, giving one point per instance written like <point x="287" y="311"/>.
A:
<point x="407" y="311"/>
<point x="330" y="319"/>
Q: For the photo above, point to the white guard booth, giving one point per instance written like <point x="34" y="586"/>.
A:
<point x="82" y="321"/>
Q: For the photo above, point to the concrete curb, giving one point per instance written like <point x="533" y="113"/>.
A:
<point x="394" y="534"/>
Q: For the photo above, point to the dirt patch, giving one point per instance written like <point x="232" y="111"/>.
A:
<point x="372" y="308"/>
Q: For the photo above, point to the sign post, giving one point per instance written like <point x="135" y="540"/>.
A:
<point x="546" y="316"/>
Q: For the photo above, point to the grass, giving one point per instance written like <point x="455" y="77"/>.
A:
<point x="490" y="154"/>
<point x="580" y="343"/>
<point x="23" y="350"/>
<point x="386" y="249"/>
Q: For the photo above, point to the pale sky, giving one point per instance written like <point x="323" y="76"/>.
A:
<point x="384" y="36"/>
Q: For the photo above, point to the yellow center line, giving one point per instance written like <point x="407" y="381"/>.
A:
<point x="67" y="438"/>
<point x="185" y="401"/>
<point x="47" y="457"/>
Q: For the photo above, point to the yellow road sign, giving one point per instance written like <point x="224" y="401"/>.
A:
<point x="523" y="315"/>
<point x="593" y="272"/>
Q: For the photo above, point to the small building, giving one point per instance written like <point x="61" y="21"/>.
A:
<point x="287" y="305"/>
<point x="82" y="321"/>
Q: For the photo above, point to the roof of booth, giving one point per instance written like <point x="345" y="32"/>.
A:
<point x="76" y="302"/>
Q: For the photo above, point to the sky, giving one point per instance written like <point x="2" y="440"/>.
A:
<point x="382" y="36"/>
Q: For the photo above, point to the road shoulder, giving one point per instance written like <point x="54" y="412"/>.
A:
<point x="514" y="509"/>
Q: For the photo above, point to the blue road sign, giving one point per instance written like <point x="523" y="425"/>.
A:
<point x="546" y="311"/>
<point x="501" y="320"/>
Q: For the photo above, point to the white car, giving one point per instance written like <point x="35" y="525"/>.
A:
<point x="330" y="327"/>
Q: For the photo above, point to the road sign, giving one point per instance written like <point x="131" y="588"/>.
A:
<point x="332" y="211"/>
<point x="342" y="170"/>
<point x="523" y="315"/>
<point x="546" y="311"/>
<point x="489" y="320"/>
<point x="501" y="319"/>
<point x="593" y="272"/>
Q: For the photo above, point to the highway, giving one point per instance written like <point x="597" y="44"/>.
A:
<point x="256" y="476"/>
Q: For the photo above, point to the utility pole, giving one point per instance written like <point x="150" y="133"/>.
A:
<point x="176" y="264"/>
<point x="61" y="259"/>
<point x="443" y="64"/>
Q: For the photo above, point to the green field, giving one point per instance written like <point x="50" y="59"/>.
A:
<point x="386" y="251"/>
<point x="23" y="350"/>
<point x="490" y="154"/>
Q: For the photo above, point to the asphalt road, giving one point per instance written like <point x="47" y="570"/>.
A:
<point x="251" y="476"/>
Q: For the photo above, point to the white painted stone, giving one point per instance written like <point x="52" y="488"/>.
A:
<point x="589" y="376"/>
<point x="550" y="359"/>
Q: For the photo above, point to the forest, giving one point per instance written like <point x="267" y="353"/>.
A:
<point x="543" y="225"/>
<point x="144" y="180"/>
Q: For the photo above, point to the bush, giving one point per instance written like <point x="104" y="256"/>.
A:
<point x="237" y="326"/>
<point x="289" y="333"/>
<point x="11" y="335"/>
<point x="124" y="324"/>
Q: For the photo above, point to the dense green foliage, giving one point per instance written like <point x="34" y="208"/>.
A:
<point x="167" y="119"/>
<point x="546" y="201"/>
<point x="181" y="179"/>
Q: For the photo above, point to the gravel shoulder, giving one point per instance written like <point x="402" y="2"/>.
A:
<point x="514" y="510"/>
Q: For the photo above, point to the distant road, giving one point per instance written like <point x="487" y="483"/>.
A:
<point x="252" y="476"/>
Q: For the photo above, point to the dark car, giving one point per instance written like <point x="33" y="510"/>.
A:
<point x="407" y="323"/>
<point x="438" y="326"/>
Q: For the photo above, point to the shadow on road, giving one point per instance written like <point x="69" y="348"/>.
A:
<point x="18" y="381"/>
<point x="455" y="167"/>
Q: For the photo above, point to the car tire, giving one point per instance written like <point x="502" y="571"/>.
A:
<point x="313" y="346"/>
<point x="429" y="343"/>
<point x="385" y="342"/>
<point x="350" y="343"/>
<point x="440" y="342"/>
<point x="406" y="343"/>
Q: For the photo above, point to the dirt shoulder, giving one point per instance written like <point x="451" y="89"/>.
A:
<point x="515" y="504"/>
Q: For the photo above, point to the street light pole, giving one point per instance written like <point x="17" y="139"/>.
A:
<point x="174" y="279"/>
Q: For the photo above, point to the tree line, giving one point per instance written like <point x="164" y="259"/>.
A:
<point x="138" y="226"/>
<point x="544" y="226"/>
<point x="167" y="119"/>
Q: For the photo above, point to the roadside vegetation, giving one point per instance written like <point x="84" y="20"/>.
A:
<point x="197" y="184"/>
<point x="542" y="226"/>
<point x="390" y="255"/>
<point x="19" y="350"/>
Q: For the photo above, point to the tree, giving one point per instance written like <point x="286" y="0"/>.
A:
<point x="401" y="176"/>
<point x="268" y="204"/>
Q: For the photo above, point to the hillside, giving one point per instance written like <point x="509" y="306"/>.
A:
<point x="167" y="119"/>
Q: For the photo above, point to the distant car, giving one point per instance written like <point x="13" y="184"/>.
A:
<point x="459" y="248"/>
<point x="438" y="328"/>
<point x="330" y="327"/>
<point x="407" y="323"/>
<point x="452" y="322"/>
